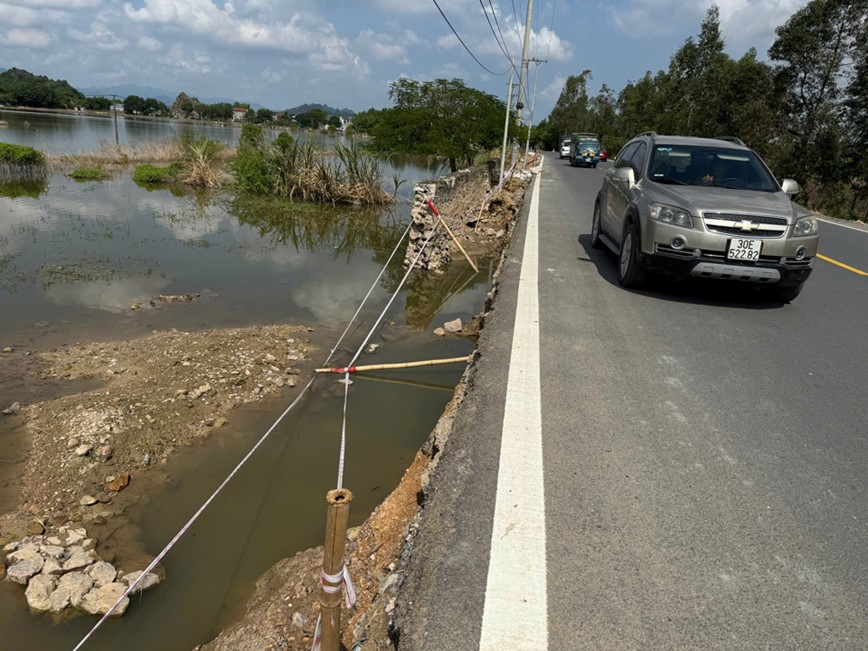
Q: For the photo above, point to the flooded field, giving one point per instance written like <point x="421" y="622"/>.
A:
<point x="83" y="262"/>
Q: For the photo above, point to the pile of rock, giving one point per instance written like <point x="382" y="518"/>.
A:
<point x="61" y="570"/>
<point x="423" y="233"/>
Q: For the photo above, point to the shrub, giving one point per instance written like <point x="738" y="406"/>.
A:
<point x="20" y="155"/>
<point x="20" y="163"/>
<point x="150" y="174"/>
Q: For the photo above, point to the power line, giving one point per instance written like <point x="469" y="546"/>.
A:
<point x="551" y="28"/>
<point x="497" y="74"/>
<point x="515" y="21"/>
<point x="502" y="46"/>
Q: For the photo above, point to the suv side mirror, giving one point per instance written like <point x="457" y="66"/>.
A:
<point x="626" y="174"/>
<point x="790" y="187"/>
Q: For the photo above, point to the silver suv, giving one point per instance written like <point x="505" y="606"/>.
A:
<point x="703" y="207"/>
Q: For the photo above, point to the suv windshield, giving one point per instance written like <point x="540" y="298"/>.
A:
<point x="738" y="169"/>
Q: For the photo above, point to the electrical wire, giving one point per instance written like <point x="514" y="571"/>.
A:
<point x="551" y="28"/>
<point x="481" y="65"/>
<point x="502" y="46"/>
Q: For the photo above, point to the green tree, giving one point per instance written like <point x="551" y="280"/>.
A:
<point x="21" y="88"/>
<point x="134" y="105"/>
<point x="365" y="121"/>
<point x="312" y="119"/>
<point x="571" y="112"/>
<point x="263" y="115"/>
<point x="439" y="118"/>
<point x="815" y="50"/>
<point x="97" y="104"/>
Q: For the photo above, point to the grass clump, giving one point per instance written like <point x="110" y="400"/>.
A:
<point x="202" y="167"/>
<point x="18" y="163"/>
<point x="152" y="174"/>
<point x="95" y="173"/>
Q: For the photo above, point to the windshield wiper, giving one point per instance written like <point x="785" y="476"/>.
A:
<point x="670" y="181"/>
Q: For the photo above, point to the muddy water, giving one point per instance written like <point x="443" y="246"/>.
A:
<point x="77" y="257"/>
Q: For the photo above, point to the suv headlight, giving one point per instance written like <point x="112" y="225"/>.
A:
<point x="806" y="226"/>
<point x="671" y="215"/>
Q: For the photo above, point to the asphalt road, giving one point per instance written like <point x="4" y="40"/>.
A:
<point x="704" y="457"/>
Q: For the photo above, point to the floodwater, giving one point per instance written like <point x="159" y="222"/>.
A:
<point x="74" y="257"/>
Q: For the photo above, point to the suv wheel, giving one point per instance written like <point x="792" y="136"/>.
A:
<point x="630" y="274"/>
<point x="596" y="242"/>
<point x="786" y="294"/>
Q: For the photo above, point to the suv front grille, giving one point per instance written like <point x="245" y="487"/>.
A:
<point x="746" y="225"/>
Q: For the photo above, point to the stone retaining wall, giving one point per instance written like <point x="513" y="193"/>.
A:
<point x="439" y="250"/>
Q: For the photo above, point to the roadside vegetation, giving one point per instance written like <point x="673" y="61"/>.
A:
<point x="805" y="113"/>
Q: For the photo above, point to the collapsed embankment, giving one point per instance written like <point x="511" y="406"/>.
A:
<point x="282" y="612"/>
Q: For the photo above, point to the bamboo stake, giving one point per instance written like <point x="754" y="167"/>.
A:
<point x="451" y="234"/>
<point x="380" y="367"/>
<point x="333" y="563"/>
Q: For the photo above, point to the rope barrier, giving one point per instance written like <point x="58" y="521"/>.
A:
<point x="376" y="325"/>
<point x="235" y="470"/>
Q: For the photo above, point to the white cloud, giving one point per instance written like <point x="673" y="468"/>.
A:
<point x="381" y="47"/>
<point x="17" y="16"/>
<point x="65" y="5"/>
<point x="25" y="37"/>
<point x="188" y="60"/>
<point x="99" y="37"/>
<point x="150" y="44"/>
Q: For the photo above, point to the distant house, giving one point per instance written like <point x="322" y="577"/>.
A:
<point x="239" y="113"/>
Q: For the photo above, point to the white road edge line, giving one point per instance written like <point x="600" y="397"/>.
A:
<point x="852" y="228"/>
<point x="515" y="614"/>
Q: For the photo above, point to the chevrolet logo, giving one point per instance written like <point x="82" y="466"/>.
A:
<point x="747" y="226"/>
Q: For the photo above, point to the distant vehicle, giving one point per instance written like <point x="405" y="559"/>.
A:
<point x="604" y="155"/>
<point x="585" y="150"/>
<point x="565" y="147"/>
<point x="705" y="208"/>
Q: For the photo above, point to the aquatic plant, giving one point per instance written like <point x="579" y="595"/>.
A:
<point x="150" y="174"/>
<point x="200" y="168"/>
<point x="295" y="170"/>
<point x="95" y="173"/>
<point x="18" y="163"/>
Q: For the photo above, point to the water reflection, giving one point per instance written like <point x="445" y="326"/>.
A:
<point x="29" y="188"/>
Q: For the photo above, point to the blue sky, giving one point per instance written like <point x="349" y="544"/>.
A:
<point x="344" y="53"/>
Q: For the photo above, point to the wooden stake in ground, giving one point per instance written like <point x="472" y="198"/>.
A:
<point x="333" y="565"/>
<point x="380" y="367"/>
<point x="451" y="234"/>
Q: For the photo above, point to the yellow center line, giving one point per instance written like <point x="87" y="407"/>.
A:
<point x="845" y="266"/>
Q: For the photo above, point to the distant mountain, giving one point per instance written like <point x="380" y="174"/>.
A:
<point x="161" y="94"/>
<point x="304" y="108"/>
<point x="123" y="90"/>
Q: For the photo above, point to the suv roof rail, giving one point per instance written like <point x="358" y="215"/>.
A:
<point x="653" y="134"/>
<point x="737" y="141"/>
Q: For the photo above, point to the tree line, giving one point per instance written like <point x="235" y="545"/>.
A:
<point x="805" y="112"/>
<point x="22" y="88"/>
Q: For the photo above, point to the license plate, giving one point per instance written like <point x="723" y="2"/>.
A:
<point x="741" y="248"/>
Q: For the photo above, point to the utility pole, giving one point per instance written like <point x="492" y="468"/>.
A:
<point x="523" y="75"/>
<point x="506" y="123"/>
<point x="115" y="113"/>
<point x="532" y="104"/>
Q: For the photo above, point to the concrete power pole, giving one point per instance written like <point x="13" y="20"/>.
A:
<point x="523" y="75"/>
